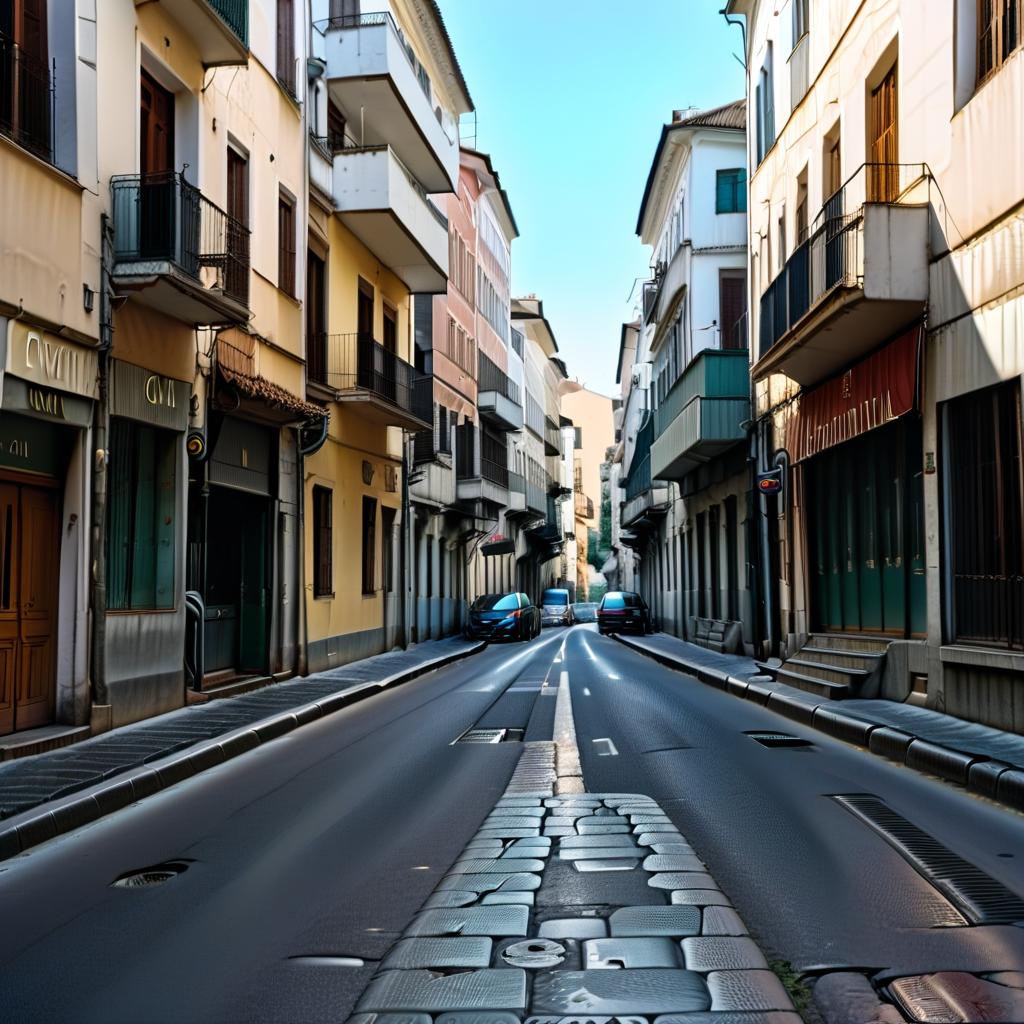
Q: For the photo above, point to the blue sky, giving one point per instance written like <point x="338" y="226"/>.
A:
<point x="570" y="97"/>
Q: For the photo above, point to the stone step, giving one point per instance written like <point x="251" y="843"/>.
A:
<point x="853" y="677"/>
<point x="812" y="684"/>
<point x="850" y="642"/>
<point x="869" y="660"/>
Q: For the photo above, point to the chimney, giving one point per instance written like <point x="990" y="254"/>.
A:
<point x="682" y="115"/>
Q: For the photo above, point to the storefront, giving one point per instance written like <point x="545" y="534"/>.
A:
<point x="856" y="443"/>
<point x="49" y="387"/>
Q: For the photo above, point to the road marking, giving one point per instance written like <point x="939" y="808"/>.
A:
<point x="612" y="675"/>
<point x="567" y="761"/>
<point x="610" y="751"/>
<point x="586" y="692"/>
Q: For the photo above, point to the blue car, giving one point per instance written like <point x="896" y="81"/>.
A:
<point x="503" y="616"/>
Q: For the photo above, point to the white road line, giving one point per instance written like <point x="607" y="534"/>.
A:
<point x="586" y="692"/>
<point x="567" y="759"/>
<point x="612" y="675"/>
<point x="610" y="750"/>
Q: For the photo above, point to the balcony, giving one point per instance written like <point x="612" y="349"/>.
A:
<point x="857" y="279"/>
<point x="219" y="29"/>
<point x="497" y="397"/>
<point x="481" y="467"/>
<point x="584" y="506"/>
<point x="646" y="501"/>
<point x="700" y="417"/>
<point x="385" y="207"/>
<point x="182" y="255"/>
<point x="374" y="77"/>
<point x="387" y="389"/>
<point x="552" y="437"/>
<point x="26" y="99"/>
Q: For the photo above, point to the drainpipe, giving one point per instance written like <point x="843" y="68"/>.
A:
<point x="98" y="512"/>
<point x="406" y="548"/>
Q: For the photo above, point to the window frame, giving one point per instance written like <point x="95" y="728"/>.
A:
<point x="737" y="188"/>
<point x="996" y="24"/>
<point x="287" y="255"/>
<point x="323" y="535"/>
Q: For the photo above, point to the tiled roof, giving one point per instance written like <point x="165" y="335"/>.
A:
<point x="258" y="387"/>
<point x="730" y="115"/>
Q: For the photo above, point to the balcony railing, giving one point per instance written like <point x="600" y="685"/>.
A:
<point x="346" y="362"/>
<point x="516" y="482"/>
<point x="831" y="256"/>
<point x="234" y="14"/>
<point x="26" y="99"/>
<point x="534" y="416"/>
<point x="552" y="437"/>
<point x="372" y="18"/>
<point x="162" y="218"/>
<point x="639" y="478"/>
<point x="490" y="377"/>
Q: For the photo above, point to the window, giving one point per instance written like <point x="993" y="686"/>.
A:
<point x="461" y="264"/>
<point x="369" y="545"/>
<point x="999" y="34"/>
<point x="985" y="515"/>
<point x="444" y="437"/>
<point x="765" y="96"/>
<point x="25" y="77"/>
<point x="731" y="191"/>
<point x="323" y="550"/>
<point x="387" y="526"/>
<point x="286" y="44"/>
<point x="493" y="306"/>
<point x="883" y="172"/>
<point x="335" y="128"/>
<point x="732" y="304"/>
<point x="141" y="520"/>
<point x="800" y="20"/>
<point x="801" y="207"/>
<point x="461" y="350"/>
<point x="316" y="318"/>
<point x="286" y="245"/>
<point x="577" y="437"/>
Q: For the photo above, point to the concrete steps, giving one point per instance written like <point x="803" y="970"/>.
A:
<point x="834" y="665"/>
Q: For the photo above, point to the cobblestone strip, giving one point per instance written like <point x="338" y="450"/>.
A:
<point x="577" y="908"/>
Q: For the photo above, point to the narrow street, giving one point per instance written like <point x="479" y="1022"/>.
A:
<point x="326" y="843"/>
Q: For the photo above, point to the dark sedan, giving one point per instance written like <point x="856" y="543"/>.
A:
<point x="622" y="611"/>
<point x="503" y="616"/>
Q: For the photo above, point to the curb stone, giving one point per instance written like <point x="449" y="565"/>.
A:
<point x="36" y="826"/>
<point x="977" y="773"/>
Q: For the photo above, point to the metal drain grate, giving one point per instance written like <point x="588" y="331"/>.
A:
<point x="491" y="736"/>
<point x="156" y="875"/>
<point x="778" y="739"/>
<point x="979" y="897"/>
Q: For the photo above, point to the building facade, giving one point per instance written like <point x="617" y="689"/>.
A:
<point x="887" y="345"/>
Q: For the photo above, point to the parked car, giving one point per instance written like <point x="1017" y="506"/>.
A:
<point x="555" y="609"/>
<point x="623" y="610"/>
<point x="503" y="616"/>
<point x="584" y="611"/>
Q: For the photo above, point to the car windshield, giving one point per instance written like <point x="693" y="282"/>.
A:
<point x="496" y="603"/>
<point x="560" y="597"/>
<point x="614" y="601"/>
<point x="585" y="611"/>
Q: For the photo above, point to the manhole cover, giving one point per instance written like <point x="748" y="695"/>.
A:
<point x="156" y="875"/>
<point x="534" y="953"/>
<point x="778" y="739"/>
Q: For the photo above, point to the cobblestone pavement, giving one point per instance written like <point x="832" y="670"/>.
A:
<point x="580" y="908"/>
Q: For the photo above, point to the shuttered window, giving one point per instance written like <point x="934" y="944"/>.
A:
<point x="286" y="44"/>
<point x="323" y="548"/>
<point x="369" y="545"/>
<point x="286" y="245"/>
<point x="732" y="297"/>
<point x="1000" y="27"/>
<point x="731" y="191"/>
<point x="141" y="520"/>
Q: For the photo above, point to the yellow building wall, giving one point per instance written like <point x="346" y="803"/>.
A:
<point x="356" y="448"/>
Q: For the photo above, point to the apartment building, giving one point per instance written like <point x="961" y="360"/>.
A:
<point x="887" y="344"/>
<point x="389" y="92"/>
<point x="51" y="333"/>
<point x="687" y="388"/>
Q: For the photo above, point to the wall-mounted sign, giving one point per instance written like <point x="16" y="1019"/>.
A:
<point x="141" y="394"/>
<point x="770" y="483"/>
<point x="33" y="445"/>
<point x="55" y="363"/>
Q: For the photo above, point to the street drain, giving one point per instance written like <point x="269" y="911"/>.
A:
<point x="980" y="897"/>
<point x="778" y="739"/>
<point x="534" y="953"/>
<point x="491" y="736"/>
<point x="156" y="875"/>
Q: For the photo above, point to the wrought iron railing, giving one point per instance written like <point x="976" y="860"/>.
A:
<point x="490" y="377"/>
<point x="831" y="256"/>
<point x="356" y="362"/>
<point x="26" y="99"/>
<point x="160" y="217"/>
<point x="234" y="14"/>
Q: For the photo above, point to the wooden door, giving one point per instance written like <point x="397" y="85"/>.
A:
<point x="157" y="194"/>
<point x="156" y="126"/>
<point x="8" y="604"/>
<point x="37" y="597"/>
<point x="883" y="176"/>
<point x="236" y="267"/>
<point x="365" y="353"/>
<point x="252" y="612"/>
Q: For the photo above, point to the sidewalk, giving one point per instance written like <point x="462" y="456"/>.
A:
<point x="987" y="761"/>
<point x="234" y="725"/>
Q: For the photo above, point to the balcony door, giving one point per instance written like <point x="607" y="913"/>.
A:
<point x="236" y="271"/>
<point x="156" y="167"/>
<point x="29" y="568"/>
<point x="365" y="354"/>
<point x="25" y="74"/>
<point x="389" y="356"/>
<point x="883" y="174"/>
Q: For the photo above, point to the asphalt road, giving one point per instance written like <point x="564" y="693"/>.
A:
<point x="326" y="841"/>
